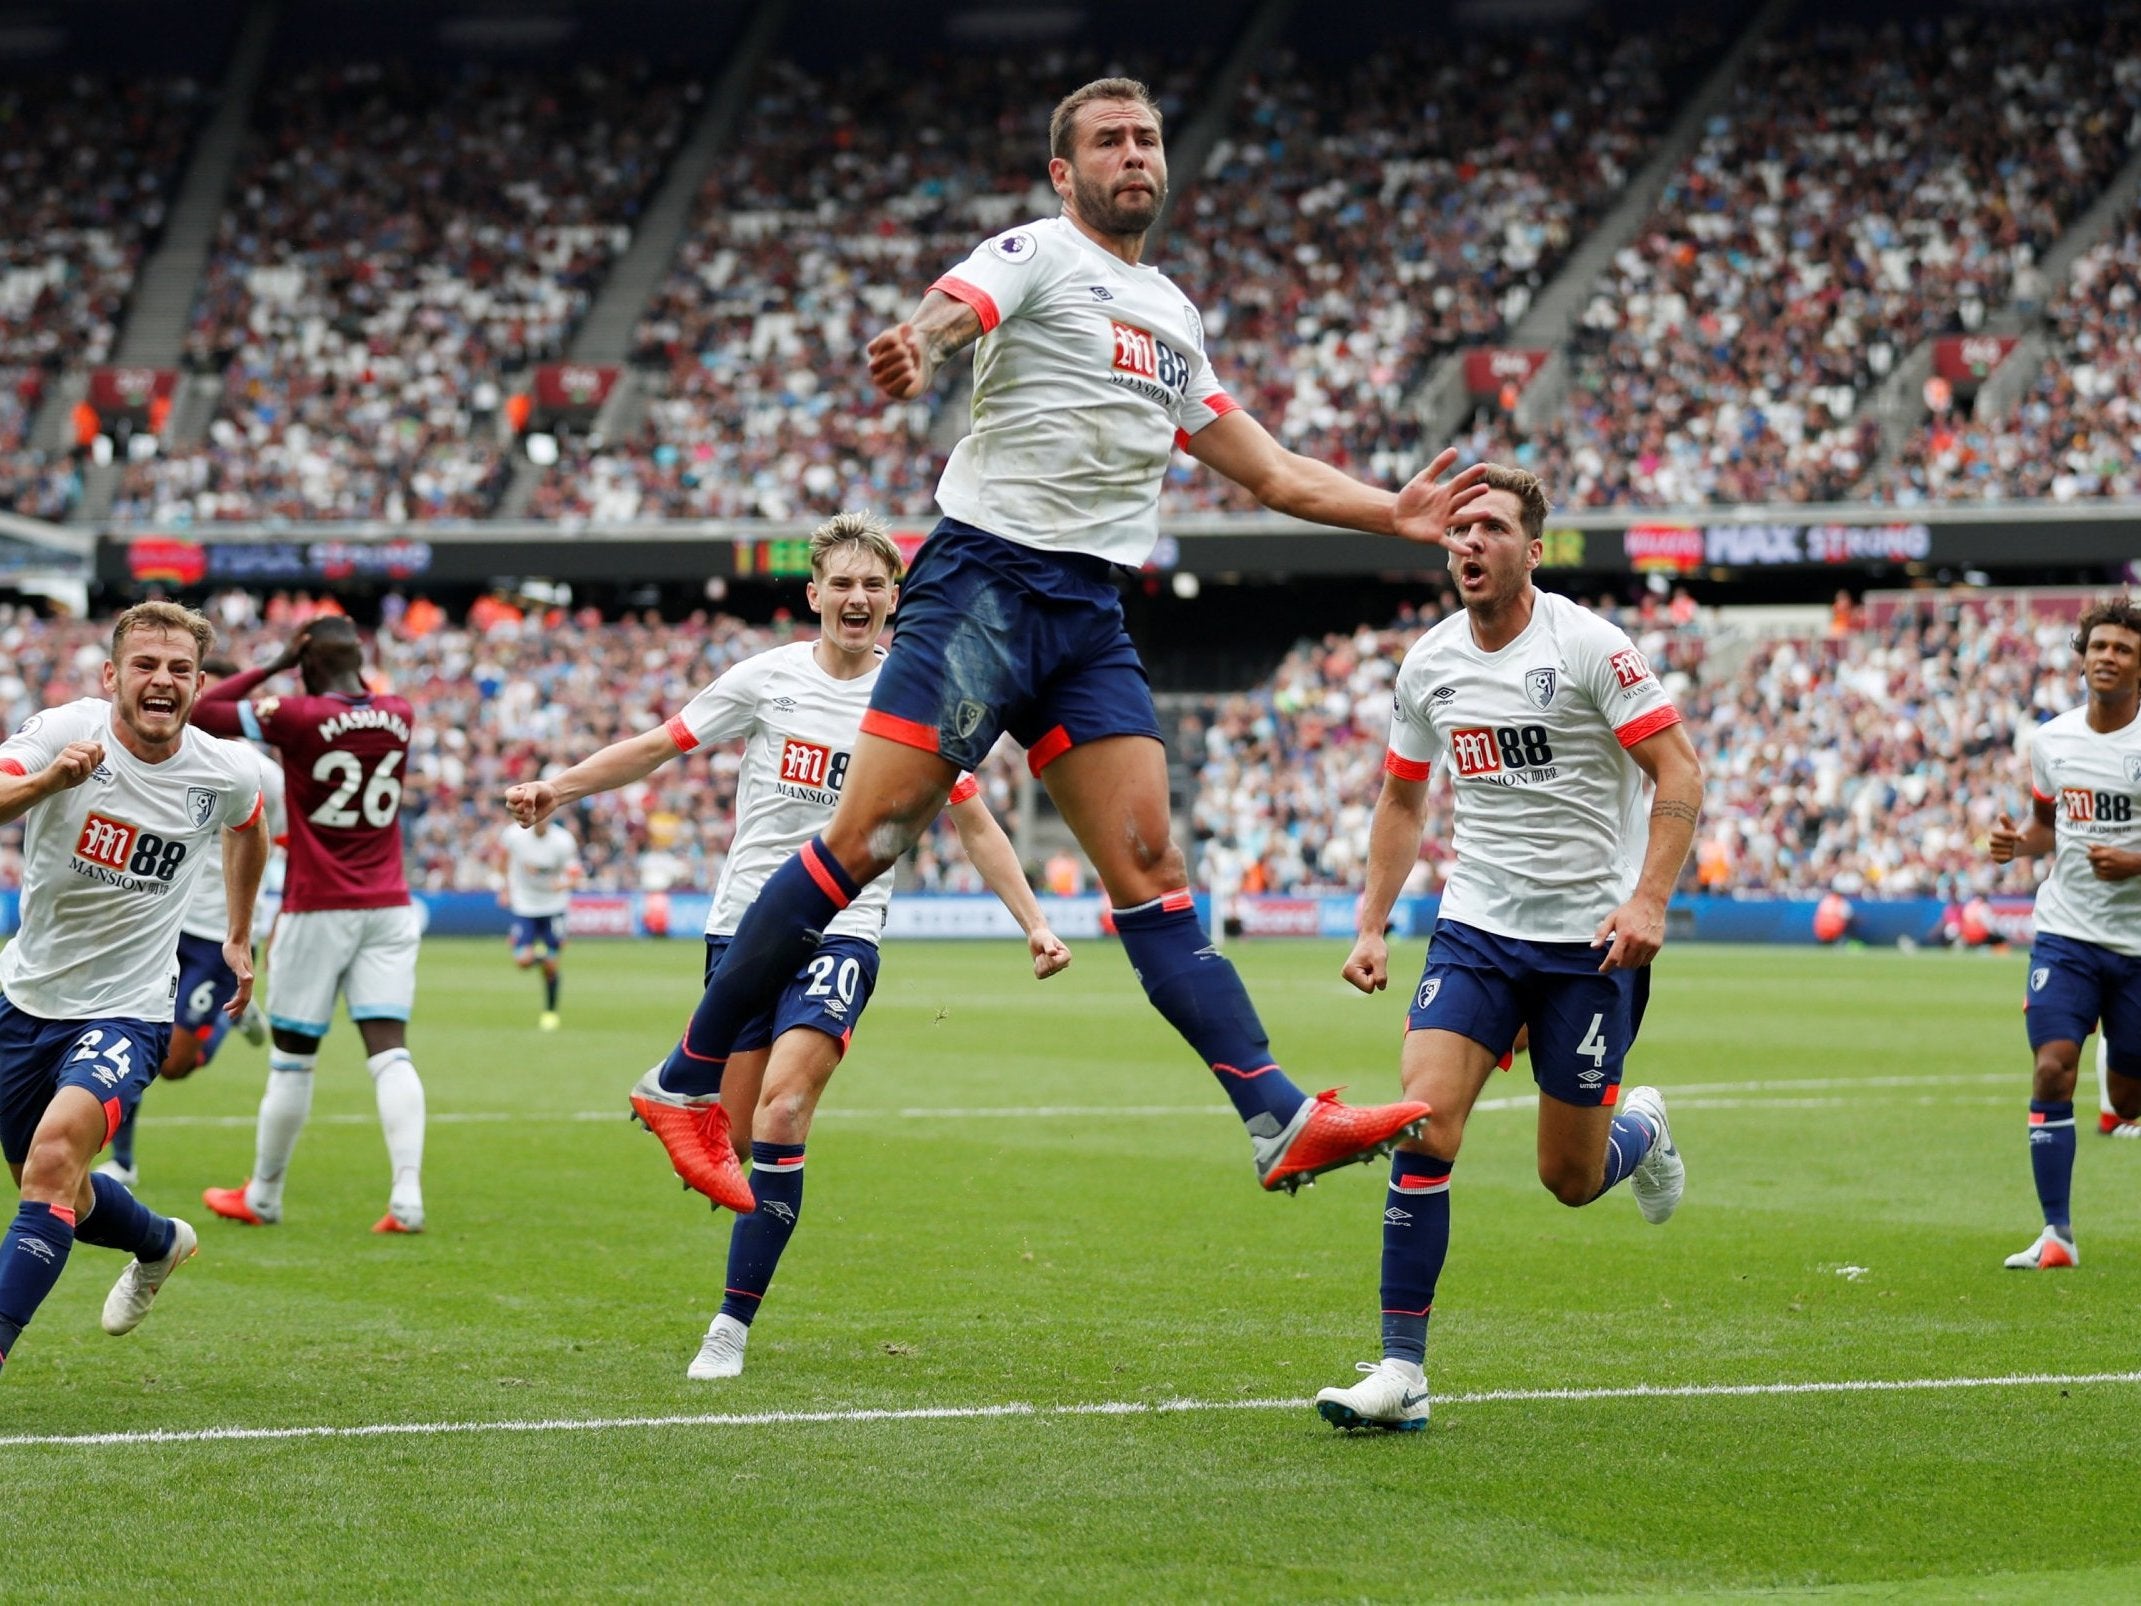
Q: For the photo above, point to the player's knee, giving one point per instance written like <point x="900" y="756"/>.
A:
<point x="182" y="1058"/>
<point x="1572" y="1184"/>
<point x="2056" y="1072"/>
<point x="783" y="1116"/>
<point x="54" y="1168"/>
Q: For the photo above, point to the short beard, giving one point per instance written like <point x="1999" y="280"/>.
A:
<point x="1099" y="210"/>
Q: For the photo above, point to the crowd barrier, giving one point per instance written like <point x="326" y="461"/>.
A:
<point x="1761" y="920"/>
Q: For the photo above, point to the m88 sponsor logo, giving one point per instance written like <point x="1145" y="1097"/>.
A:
<point x="1138" y="353"/>
<point x="118" y="845"/>
<point x="2084" y="807"/>
<point x="1489" y="750"/>
<point x="808" y="764"/>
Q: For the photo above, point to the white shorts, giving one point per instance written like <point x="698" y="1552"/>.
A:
<point x="368" y="955"/>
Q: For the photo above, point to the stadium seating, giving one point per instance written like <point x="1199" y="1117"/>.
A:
<point x="37" y="484"/>
<point x="397" y="245"/>
<point x="2077" y="432"/>
<point x="1867" y="188"/>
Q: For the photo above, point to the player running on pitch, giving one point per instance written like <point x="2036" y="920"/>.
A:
<point x="1549" y="722"/>
<point x="123" y="803"/>
<point x="2085" y="959"/>
<point x="347" y="925"/>
<point x="541" y="866"/>
<point x="206" y="984"/>
<point x="1090" y="368"/>
<point x="797" y="708"/>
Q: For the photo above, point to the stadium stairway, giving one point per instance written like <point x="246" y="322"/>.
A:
<point x="1442" y="402"/>
<point x="1899" y="405"/>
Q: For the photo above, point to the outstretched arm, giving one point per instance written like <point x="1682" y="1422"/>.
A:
<point x="991" y="853"/>
<point x="619" y="764"/>
<point x="905" y="358"/>
<point x="1393" y="849"/>
<point x="1243" y="450"/>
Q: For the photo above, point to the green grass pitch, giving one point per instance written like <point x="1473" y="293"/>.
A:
<point x="1079" y="1227"/>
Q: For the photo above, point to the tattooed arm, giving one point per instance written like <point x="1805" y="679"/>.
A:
<point x="905" y="358"/>
<point x="1637" y="928"/>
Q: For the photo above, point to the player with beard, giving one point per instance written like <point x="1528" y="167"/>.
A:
<point x="123" y="802"/>
<point x="1090" y="369"/>
<point x="2085" y="958"/>
<point x="1552" y="728"/>
<point x="797" y="709"/>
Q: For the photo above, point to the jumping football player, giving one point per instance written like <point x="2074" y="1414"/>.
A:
<point x="1550" y="724"/>
<point x="541" y="866"/>
<point x="347" y="925"/>
<point x="797" y="709"/>
<point x="1090" y="369"/>
<point x="206" y="984"/>
<point x="123" y="802"/>
<point x="2085" y="961"/>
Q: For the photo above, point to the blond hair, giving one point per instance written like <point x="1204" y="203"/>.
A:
<point x="163" y="616"/>
<point x="1061" y="129"/>
<point x="1529" y="491"/>
<point x="865" y="531"/>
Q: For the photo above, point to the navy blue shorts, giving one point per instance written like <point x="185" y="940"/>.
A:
<point x="993" y="637"/>
<point x="538" y="931"/>
<point x="205" y="985"/>
<point x="2072" y="986"/>
<point x="114" y="1059"/>
<point x="828" y="993"/>
<point x="1582" y="1023"/>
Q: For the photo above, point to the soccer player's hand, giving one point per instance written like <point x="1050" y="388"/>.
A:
<point x="1637" y="931"/>
<point x="292" y="650"/>
<point x="1368" y="965"/>
<point x="239" y="956"/>
<point x="1050" y="954"/>
<point x="74" y="764"/>
<point x="2005" y="840"/>
<point x="1426" y="509"/>
<point x="531" y="802"/>
<point x="899" y="362"/>
<point x="2114" y="864"/>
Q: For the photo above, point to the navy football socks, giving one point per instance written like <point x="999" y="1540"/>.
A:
<point x="1196" y="988"/>
<point x="757" y="1240"/>
<point x="2051" y="1159"/>
<point x="1416" y="1241"/>
<point x="121" y="1221"/>
<point x="1626" y="1144"/>
<point x="781" y="930"/>
<point x="32" y="1256"/>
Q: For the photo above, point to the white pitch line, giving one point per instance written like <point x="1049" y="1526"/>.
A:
<point x="1784" y="1094"/>
<point x="952" y="1413"/>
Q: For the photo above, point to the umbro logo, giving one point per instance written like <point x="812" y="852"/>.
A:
<point x="784" y="703"/>
<point x="1397" y="1217"/>
<point x="101" y="773"/>
<point x="1101" y="292"/>
<point x="774" y="1207"/>
<point x="1443" y="694"/>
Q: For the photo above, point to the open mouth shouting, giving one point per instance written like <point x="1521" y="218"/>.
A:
<point x="1471" y="574"/>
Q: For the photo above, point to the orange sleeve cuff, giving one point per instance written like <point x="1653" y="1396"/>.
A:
<point x="964" y="790"/>
<point x="680" y="733"/>
<point x="973" y="295"/>
<point x="1407" y="769"/>
<point x="1650" y="724"/>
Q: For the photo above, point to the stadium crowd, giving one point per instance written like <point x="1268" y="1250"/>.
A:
<point x="397" y="247"/>
<point x="844" y="195"/>
<point x="1866" y="188"/>
<point x="1866" y="761"/>
<point x="34" y="483"/>
<point x="1361" y="219"/>
<point x="2077" y="431"/>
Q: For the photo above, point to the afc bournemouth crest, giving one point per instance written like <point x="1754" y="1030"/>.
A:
<point x="2133" y="767"/>
<point x="201" y="803"/>
<point x="1539" y="686"/>
<point x="968" y="717"/>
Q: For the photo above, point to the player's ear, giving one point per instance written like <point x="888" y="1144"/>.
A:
<point x="892" y="598"/>
<point x="1059" y="176"/>
<point x="110" y="678"/>
<point x="810" y="595"/>
<point x="1534" y="550"/>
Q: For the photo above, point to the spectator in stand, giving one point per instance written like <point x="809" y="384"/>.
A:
<point x="396" y="241"/>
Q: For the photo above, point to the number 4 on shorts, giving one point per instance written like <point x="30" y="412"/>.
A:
<point x="1594" y="1042"/>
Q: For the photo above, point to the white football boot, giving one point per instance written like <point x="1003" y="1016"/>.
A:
<point x="2051" y="1251"/>
<point x="137" y="1286"/>
<point x="1661" y="1176"/>
<point x="1391" y="1396"/>
<point x="125" y="1175"/>
<point x="721" y="1351"/>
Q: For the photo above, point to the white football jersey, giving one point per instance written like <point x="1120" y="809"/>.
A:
<point x="108" y="866"/>
<point x="207" y="912"/>
<point x="2093" y="780"/>
<point x="1551" y="822"/>
<point x="1088" y="372"/>
<point x="539" y="866"/>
